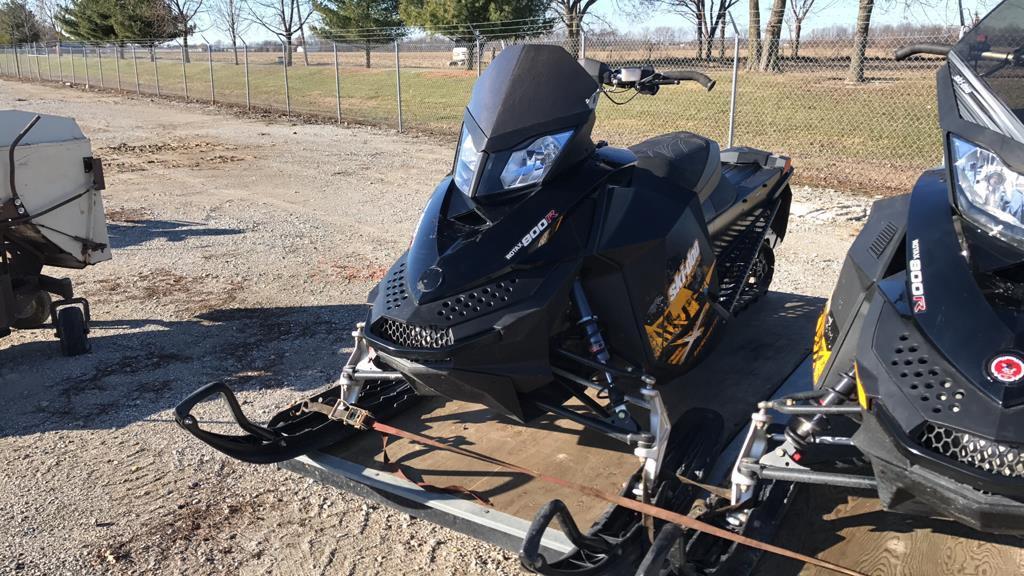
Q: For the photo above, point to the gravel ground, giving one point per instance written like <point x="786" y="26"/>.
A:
<point x="243" y="248"/>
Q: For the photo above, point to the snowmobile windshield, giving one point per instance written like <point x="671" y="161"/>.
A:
<point x="994" y="51"/>
<point x="529" y="110"/>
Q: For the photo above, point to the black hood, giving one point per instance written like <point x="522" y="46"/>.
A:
<point x="529" y="90"/>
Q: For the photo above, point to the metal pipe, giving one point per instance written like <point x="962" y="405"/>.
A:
<point x="812" y="410"/>
<point x="245" y="58"/>
<point x="35" y="58"/>
<point x="118" y="53"/>
<point x="135" y="65"/>
<point x="583" y="42"/>
<point x="605" y="428"/>
<point x="285" y="50"/>
<point x="209" y="54"/>
<point x="337" y="81"/>
<point x="735" y="80"/>
<point x="156" y="68"/>
<point x="60" y="63"/>
<point x="479" y="56"/>
<point x="184" y="71"/>
<point x="85" y="57"/>
<point x="99" y="58"/>
<point x="49" y="65"/>
<point x="398" y="85"/>
<point x="809" y="476"/>
<point x="635" y="400"/>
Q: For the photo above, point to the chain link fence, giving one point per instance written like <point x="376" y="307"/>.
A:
<point x="873" y="136"/>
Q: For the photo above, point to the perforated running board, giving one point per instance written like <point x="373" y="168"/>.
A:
<point x="737" y="248"/>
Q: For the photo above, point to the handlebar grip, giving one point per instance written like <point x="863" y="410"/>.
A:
<point x="690" y="76"/>
<point x="915" y="49"/>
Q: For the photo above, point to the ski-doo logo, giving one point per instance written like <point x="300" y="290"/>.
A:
<point x="963" y="84"/>
<point x="532" y="234"/>
<point x="685" y="271"/>
<point x="917" y="278"/>
<point x="1006" y="368"/>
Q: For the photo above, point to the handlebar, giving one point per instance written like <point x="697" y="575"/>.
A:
<point x="916" y="49"/>
<point x="689" y="76"/>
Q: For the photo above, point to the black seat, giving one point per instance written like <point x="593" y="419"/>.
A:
<point x="685" y="159"/>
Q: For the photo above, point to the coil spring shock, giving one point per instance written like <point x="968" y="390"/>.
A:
<point x="599" y="350"/>
<point x="803" y="428"/>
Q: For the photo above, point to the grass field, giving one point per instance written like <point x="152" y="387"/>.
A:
<point x="873" y="137"/>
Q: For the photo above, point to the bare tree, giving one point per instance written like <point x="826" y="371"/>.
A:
<point x="572" y="12"/>
<point x="183" y="20"/>
<point x="228" y="15"/>
<point x="799" y="10"/>
<point x="860" y="41"/>
<point x="770" y="61"/>
<point x="46" y="11"/>
<point x="282" y="18"/>
<point x="754" y="35"/>
<point x="706" y="15"/>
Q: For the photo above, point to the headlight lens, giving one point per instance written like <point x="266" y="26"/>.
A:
<point x="989" y="193"/>
<point x="467" y="162"/>
<point x="529" y="165"/>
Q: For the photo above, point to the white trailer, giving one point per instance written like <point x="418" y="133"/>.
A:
<point x="51" y="214"/>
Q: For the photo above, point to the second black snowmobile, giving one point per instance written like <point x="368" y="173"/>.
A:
<point x="547" y="264"/>
<point x="918" y="361"/>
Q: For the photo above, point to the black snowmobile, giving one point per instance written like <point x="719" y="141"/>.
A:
<point x="919" y="356"/>
<point x="547" y="265"/>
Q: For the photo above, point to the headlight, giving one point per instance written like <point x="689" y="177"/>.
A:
<point x="989" y="193"/>
<point x="467" y="162"/>
<point x="530" y="164"/>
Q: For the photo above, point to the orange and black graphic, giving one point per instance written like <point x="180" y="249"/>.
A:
<point x="824" y="338"/>
<point x="679" y="329"/>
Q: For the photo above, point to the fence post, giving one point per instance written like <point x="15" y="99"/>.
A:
<point x="284" y="62"/>
<point x="85" y="57"/>
<point x="99" y="57"/>
<point x="209" y="54"/>
<point x="49" y="66"/>
<point x="184" y="73"/>
<point x="135" y="66"/>
<point x="245" y="55"/>
<point x="337" y="81"/>
<point x="583" y="42"/>
<point x="735" y="80"/>
<point x="60" y="62"/>
<point x="479" y="55"/>
<point x="118" y="52"/>
<point x="35" y="58"/>
<point x="156" y="69"/>
<point x="398" y="85"/>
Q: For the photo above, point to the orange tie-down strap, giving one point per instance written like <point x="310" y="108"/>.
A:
<point x="640" y="507"/>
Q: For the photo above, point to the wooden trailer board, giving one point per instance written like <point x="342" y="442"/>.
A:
<point x="758" y="353"/>
<point x="763" y="354"/>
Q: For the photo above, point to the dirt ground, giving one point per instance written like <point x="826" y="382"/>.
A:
<point x="243" y="250"/>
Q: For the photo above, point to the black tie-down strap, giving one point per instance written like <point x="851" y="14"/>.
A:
<point x="294" y="431"/>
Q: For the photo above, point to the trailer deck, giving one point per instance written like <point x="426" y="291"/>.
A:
<point x="765" y="349"/>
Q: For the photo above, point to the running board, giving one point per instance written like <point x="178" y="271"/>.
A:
<point x="737" y="248"/>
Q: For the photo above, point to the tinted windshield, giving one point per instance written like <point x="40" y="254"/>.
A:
<point x="994" y="49"/>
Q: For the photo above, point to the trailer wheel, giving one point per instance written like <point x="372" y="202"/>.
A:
<point x="38" y="313"/>
<point x="71" y="330"/>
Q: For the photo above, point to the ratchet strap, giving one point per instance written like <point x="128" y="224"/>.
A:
<point x="353" y="414"/>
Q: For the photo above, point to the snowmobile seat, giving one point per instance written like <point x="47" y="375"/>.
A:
<point x="685" y="159"/>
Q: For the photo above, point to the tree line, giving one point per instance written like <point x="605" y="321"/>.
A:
<point x="374" y="22"/>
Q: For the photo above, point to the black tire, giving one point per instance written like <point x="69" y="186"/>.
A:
<point x="38" y="314"/>
<point x="71" y="329"/>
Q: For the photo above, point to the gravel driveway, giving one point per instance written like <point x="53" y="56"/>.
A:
<point x="243" y="249"/>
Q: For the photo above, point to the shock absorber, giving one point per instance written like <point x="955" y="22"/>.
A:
<point x="599" y="350"/>
<point x="801" y="428"/>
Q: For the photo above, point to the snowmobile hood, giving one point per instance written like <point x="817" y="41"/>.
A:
<point x="529" y="90"/>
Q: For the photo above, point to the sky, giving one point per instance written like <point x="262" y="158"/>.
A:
<point x="618" y="15"/>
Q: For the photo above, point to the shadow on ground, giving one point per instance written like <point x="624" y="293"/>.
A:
<point x="141" y="367"/>
<point x="135" y="232"/>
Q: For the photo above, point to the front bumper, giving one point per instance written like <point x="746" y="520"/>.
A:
<point x="911" y="482"/>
